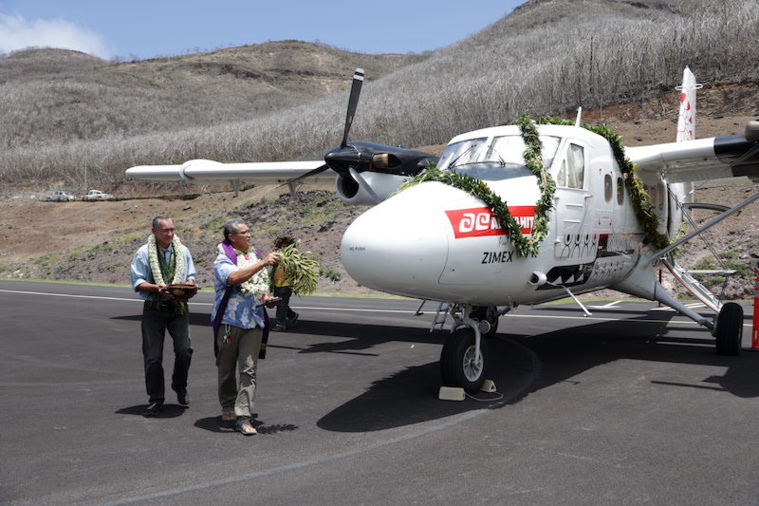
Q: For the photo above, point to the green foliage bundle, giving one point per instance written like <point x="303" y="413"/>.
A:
<point x="301" y="270"/>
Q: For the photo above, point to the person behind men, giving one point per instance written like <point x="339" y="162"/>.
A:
<point x="162" y="261"/>
<point x="241" y="282"/>
<point x="285" y="316"/>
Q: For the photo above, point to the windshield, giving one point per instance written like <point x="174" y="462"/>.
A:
<point x="491" y="158"/>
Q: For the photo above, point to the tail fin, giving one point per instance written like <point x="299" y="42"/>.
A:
<point x="686" y="125"/>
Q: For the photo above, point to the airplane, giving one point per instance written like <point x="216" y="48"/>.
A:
<point x="518" y="214"/>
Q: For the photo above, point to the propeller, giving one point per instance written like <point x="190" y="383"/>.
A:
<point x="350" y="160"/>
<point x="358" y="80"/>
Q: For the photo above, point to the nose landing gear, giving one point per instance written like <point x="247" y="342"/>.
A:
<point x="465" y="356"/>
<point x="461" y="363"/>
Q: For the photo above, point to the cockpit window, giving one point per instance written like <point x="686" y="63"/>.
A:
<point x="490" y="158"/>
<point x="462" y="153"/>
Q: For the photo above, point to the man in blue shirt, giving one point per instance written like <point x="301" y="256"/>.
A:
<point x="241" y="282"/>
<point x="164" y="260"/>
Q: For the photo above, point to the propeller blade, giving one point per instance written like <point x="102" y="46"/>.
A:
<point x="363" y="184"/>
<point x="308" y="174"/>
<point x="358" y="80"/>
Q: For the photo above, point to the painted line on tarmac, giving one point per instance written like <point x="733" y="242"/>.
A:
<point x="72" y="295"/>
<point x="356" y="310"/>
<point x="137" y="299"/>
<point x="610" y="305"/>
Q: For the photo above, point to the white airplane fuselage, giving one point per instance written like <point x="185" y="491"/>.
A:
<point x="436" y="242"/>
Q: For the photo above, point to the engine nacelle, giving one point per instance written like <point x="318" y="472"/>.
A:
<point x="351" y="192"/>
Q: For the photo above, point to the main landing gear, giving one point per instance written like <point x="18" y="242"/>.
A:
<point x="465" y="356"/>
<point x="729" y="329"/>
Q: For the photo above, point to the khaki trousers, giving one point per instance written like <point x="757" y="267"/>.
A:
<point x="238" y="354"/>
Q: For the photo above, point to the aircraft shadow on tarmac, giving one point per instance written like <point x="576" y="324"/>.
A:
<point x="522" y="364"/>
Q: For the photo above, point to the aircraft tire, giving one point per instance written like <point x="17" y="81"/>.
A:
<point x="457" y="364"/>
<point x="729" y="329"/>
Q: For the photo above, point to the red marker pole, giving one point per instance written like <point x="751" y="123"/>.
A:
<point x="755" y="333"/>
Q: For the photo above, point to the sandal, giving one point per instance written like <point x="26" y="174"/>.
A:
<point x="228" y="416"/>
<point x="243" y="426"/>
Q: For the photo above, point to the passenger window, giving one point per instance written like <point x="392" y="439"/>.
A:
<point x="608" y="188"/>
<point x="620" y="191"/>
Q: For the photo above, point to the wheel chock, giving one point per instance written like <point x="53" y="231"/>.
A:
<point x="487" y="386"/>
<point x="451" y="394"/>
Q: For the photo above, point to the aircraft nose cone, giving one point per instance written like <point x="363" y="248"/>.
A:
<point x="399" y="246"/>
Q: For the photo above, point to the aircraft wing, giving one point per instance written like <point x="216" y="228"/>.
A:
<point x="261" y="173"/>
<point x="701" y="159"/>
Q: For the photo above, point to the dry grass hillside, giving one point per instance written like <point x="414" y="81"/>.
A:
<point x="54" y="96"/>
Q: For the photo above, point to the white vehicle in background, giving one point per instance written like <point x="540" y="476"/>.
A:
<point x="59" y="196"/>
<point x="97" y="195"/>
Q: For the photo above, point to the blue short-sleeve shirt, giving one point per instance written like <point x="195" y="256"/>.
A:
<point x="243" y="311"/>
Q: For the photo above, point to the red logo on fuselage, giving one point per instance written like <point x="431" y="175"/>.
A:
<point x="479" y="222"/>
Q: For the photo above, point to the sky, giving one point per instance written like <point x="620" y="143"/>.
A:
<point x="141" y="29"/>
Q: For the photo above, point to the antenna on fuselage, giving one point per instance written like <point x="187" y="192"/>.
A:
<point x="579" y="116"/>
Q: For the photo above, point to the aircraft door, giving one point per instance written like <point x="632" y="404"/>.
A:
<point x="573" y="237"/>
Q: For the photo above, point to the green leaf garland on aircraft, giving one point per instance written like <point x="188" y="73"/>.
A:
<point x="635" y="188"/>
<point x="534" y="162"/>
<point x="480" y="190"/>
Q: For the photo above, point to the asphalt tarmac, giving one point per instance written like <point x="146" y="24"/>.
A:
<point x="630" y="405"/>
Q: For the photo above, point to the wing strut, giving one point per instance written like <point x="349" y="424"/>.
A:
<point x="666" y="251"/>
<point x="697" y="289"/>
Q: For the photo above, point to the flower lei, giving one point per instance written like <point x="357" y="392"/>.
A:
<point x="179" y="272"/>
<point x="155" y="264"/>
<point x="258" y="284"/>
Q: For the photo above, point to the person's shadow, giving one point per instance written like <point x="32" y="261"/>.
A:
<point x="216" y="424"/>
<point x="168" y="411"/>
